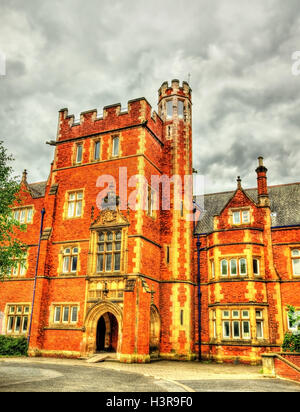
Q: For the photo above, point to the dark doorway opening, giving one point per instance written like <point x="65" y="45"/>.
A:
<point x="101" y="329"/>
<point x="107" y="333"/>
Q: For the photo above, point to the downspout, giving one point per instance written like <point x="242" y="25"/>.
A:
<point x="35" y="276"/>
<point x="198" y="244"/>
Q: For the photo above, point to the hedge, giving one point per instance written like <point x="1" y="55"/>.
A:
<point x="10" y="346"/>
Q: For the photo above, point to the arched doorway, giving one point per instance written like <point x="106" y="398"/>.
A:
<point x="107" y="333"/>
<point x="103" y="329"/>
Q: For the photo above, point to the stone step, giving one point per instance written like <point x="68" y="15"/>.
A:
<point x="98" y="358"/>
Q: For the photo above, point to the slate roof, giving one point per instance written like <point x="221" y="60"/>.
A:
<point x="37" y="189"/>
<point x="284" y="200"/>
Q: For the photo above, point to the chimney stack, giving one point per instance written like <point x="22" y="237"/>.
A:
<point x="262" y="186"/>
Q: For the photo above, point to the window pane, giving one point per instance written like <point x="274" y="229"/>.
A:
<point x="236" y="329"/>
<point x="224" y="268"/>
<point x="10" y="323"/>
<point x="12" y="309"/>
<point x="108" y="263"/>
<point x="29" y="214"/>
<point x="17" y="324"/>
<point x="255" y="266"/>
<point x="296" y="266"/>
<point x="26" y="309"/>
<point x="236" y="217"/>
<point x="74" y="264"/>
<point x="57" y="314"/>
<point x="246" y="329"/>
<point x="116" y="146"/>
<point x="225" y="313"/>
<point x="118" y="246"/>
<point x="16" y="214"/>
<point x="22" y="216"/>
<point x="74" y="314"/>
<point x="101" y="237"/>
<point x="101" y="247"/>
<point x="71" y="209"/>
<point x="19" y="309"/>
<point x="243" y="267"/>
<point x="118" y="236"/>
<point x="100" y="263"/>
<point x="259" y="329"/>
<point x="169" y="108"/>
<point x="25" y="324"/>
<point x="79" y="153"/>
<point x="109" y="247"/>
<point x="117" y="261"/>
<point x="180" y="109"/>
<point x="66" y="314"/>
<point x="78" y="208"/>
<point x="245" y="314"/>
<point x="226" y="329"/>
<point x="233" y="267"/>
<point x="246" y="216"/>
<point x="66" y="264"/>
<point x="109" y="236"/>
<point x="97" y="151"/>
<point x="235" y="313"/>
<point x="79" y="195"/>
<point x="296" y="252"/>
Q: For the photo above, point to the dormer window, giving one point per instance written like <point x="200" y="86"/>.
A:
<point x="240" y="217"/>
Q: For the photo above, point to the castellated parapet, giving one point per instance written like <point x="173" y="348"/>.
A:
<point x="139" y="111"/>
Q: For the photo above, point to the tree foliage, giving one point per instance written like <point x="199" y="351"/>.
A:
<point x="11" y="248"/>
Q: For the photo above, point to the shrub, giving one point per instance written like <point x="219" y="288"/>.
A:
<point x="291" y="343"/>
<point x="10" y="346"/>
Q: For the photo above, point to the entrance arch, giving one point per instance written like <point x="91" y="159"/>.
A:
<point x="107" y="333"/>
<point x="103" y="329"/>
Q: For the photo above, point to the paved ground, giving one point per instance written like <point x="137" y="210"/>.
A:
<point x="49" y="375"/>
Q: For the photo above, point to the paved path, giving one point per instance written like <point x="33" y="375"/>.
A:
<point x="46" y="374"/>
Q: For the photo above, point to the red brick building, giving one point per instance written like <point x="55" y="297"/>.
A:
<point x="118" y="262"/>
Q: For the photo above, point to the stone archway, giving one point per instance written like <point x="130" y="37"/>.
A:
<point x="155" y="325"/>
<point x="112" y="317"/>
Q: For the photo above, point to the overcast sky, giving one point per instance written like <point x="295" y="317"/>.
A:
<point x="88" y="54"/>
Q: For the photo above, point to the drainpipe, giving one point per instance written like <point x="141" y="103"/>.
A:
<point x="198" y="244"/>
<point x="35" y="276"/>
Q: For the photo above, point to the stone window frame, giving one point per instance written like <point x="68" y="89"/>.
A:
<point x="25" y="209"/>
<point x="21" y="269"/>
<point x="217" y="320"/>
<point x="112" y="154"/>
<point x="68" y="201"/>
<point x="75" y="158"/>
<point x="105" y="253"/>
<point x="62" y="306"/>
<point x="295" y="257"/>
<point x="94" y="141"/>
<point x="228" y="260"/>
<point x="23" y="314"/>
<point x="240" y="210"/>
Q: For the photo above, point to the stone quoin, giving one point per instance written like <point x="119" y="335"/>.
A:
<point x="123" y="280"/>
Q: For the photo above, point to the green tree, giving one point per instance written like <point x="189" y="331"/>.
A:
<point x="11" y="248"/>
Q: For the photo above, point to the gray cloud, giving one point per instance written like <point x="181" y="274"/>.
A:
<point x="84" y="55"/>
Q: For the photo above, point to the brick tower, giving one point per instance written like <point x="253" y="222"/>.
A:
<point x="176" y="294"/>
